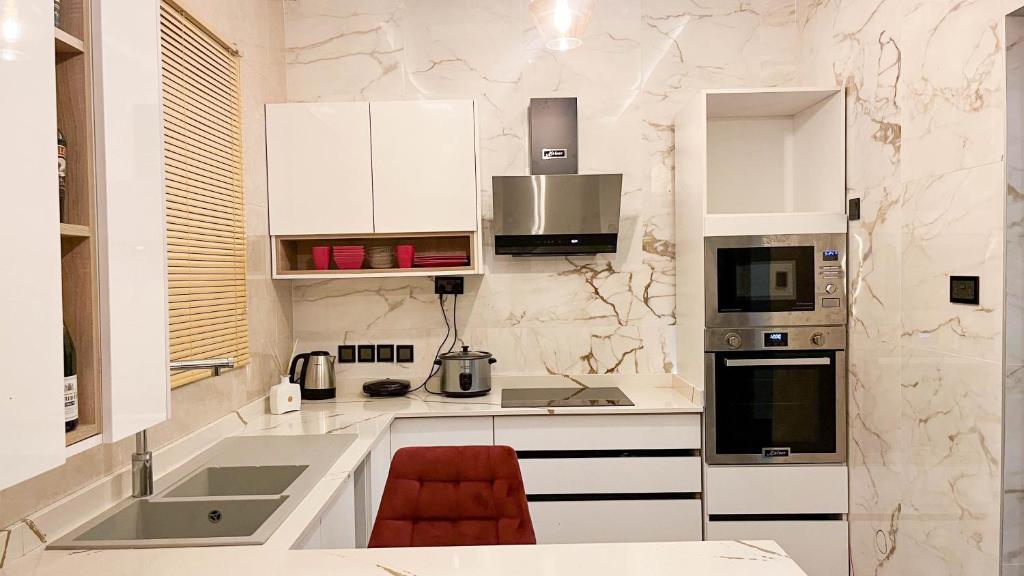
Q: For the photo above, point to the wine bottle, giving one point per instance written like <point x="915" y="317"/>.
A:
<point x="70" y="383"/>
<point x="56" y="13"/>
<point x="62" y="172"/>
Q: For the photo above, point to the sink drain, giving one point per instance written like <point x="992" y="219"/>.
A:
<point x="214" y="516"/>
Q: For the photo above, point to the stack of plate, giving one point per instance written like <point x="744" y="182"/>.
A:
<point x="440" y="259"/>
<point x="348" y="257"/>
<point x="381" y="257"/>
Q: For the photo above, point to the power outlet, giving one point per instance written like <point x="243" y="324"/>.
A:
<point x="449" y="285"/>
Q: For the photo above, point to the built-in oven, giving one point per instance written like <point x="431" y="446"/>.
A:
<point x="775" y="395"/>
<point x="782" y="280"/>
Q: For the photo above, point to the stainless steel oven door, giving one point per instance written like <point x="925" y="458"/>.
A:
<point x="776" y="406"/>
<point x="782" y="280"/>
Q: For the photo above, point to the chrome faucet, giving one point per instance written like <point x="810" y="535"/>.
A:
<point x="142" y="458"/>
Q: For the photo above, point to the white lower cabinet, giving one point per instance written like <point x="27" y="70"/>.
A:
<point x="616" y="521"/>
<point x="450" y="431"/>
<point x="335" y="527"/>
<point x="797" y="489"/>
<point x="611" y="475"/>
<point x="596" y="432"/>
<point x="802" y="507"/>
<point x="614" y="478"/>
<point x="379" y="466"/>
<point x="589" y="478"/>
<point x="820" y="547"/>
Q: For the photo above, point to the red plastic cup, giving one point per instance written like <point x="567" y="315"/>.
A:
<point x="321" y="257"/>
<point x="404" y="254"/>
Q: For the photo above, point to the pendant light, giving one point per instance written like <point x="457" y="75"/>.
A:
<point x="562" y="22"/>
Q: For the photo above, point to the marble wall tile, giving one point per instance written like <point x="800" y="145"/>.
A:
<point x="953" y="86"/>
<point x="924" y="88"/>
<point x="1013" y="466"/>
<point x="874" y="266"/>
<point x="951" y="487"/>
<point x="1013" y="391"/>
<point x="343" y="50"/>
<point x="639" y="61"/>
<point x="951" y="226"/>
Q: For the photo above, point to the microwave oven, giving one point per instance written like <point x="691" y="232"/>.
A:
<point x="780" y="280"/>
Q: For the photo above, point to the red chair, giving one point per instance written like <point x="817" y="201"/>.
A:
<point x="453" y="496"/>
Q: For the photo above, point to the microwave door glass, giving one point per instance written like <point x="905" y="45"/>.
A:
<point x="766" y="279"/>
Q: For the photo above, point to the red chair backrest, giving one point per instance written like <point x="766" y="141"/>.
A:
<point x="453" y="496"/>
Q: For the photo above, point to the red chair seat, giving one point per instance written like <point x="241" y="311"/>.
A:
<point x="453" y="496"/>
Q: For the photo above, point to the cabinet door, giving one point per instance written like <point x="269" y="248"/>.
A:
<point x="318" y="168"/>
<point x="575" y="522"/>
<point x="446" y="431"/>
<point x="132" y="245"/>
<point x="380" y="465"/>
<point x="31" y="389"/>
<point x="424" y="166"/>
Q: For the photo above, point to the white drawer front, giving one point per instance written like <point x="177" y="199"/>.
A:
<point x="597" y="432"/>
<point x="453" y="431"/>
<point x="616" y="521"/>
<point x="610" y="475"/>
<point x="777" y="490"/>
<point x="819" y="547"/>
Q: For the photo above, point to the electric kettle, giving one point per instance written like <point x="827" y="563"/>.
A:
<point x="316" y="379"/>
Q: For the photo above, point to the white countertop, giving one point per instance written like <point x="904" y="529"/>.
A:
<point x="751" y="558"/>
<point x="368" y="419"/>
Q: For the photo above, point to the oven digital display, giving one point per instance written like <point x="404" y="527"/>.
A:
<point x="773" y="339"/>
<point x="830" y="255"/>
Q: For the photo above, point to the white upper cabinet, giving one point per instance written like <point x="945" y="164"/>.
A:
<point x="31" y="390"/>
<point x="132" y="244"/>
<point x="318" y="168"/>
<point x="424" y="166"/>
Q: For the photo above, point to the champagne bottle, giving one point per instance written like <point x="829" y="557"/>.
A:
<point x="70" y="383"/>
<point x="62" y="172"/>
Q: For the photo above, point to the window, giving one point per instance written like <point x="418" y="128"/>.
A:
<point x="204" y="195"/>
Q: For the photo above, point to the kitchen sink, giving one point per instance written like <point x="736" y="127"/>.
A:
<point x="237" y="481"/>
<point x="236" y="493"/>
<point x="183" y="519"/>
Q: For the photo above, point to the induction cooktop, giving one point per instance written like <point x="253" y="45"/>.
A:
<point x="563" y="397"/>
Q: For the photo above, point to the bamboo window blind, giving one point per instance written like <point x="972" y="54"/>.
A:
<point x="204" y="194"/>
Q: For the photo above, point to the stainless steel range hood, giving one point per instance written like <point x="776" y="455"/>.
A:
<point x="555" y="210"/>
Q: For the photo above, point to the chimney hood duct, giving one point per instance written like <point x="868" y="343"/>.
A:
<point x="555" y="211"/>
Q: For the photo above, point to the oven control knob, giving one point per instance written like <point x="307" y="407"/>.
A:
<point x="830" y="288"/>
<point x="733" y="340"/>
<point x="818" y="339"/>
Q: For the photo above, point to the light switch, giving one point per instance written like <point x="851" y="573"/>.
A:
<point x="964" y="290"/>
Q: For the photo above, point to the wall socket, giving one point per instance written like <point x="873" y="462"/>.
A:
<point x="449" y="284"/>
<point x="352" y="353"/>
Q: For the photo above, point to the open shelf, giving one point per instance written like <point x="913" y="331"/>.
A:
<point x="293" y="257"/>
<point x="775" y="161"/>
<point x="74" y="231"/>
<point x="65" y="43"/>
<point x="78" y="247"/>
<point x="82" y="432"/>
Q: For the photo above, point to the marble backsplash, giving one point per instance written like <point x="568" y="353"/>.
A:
<point x="925" y="88"/>
<point x="641" y="59"/>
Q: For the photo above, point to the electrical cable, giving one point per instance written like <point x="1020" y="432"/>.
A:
<point x="433" y="364"/>
<point x="455" y="322"/>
